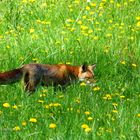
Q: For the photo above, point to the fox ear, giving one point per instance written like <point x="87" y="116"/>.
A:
<point x="84" y="67"/>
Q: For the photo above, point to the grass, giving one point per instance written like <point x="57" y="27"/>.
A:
<point x="103" y="32"/>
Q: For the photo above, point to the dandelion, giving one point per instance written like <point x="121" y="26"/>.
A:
<point x="87" y="112"/>
<point x="16" y="128"/>
<point x="138" y="24"/>
<point x="134" y="65"/>
<point x="88" y="130"/>
<point x="89" y="118"/>
<point x="115" y="111"/>
<point x="138" y="18"/>
<point x="84" y="126"/>
<point x="114" y="104"/>
<point x="6" y="105"/>
<point x="40" y="101"/>
<point x="107" y="97"/>
<point x="15" y="107"/>
<point x="138" y="115"/>
<point x="123" y="62"/>
<point x="8" y="47"/>
<point x="32" y="30"/>
<point x="33" y="120"/>
<point x="24" y="123"/>
<point x="122" y="96"/>
<point x="83" y="84"/>
<point x="87" y="8"/>
<point x="52" y="126"/>
<point x="96" y="88"/>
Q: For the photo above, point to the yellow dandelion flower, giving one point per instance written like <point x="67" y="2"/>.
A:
<point x="134" y="65"/>
<point x="96" y="88"/>
<point x="138" y="24"/>
<point x="32" y="30"/>
<point x="47" y="106"/>
<point x="107" y="97"/>
<point x="40" y="101"/>
<point x="83" y="84"/>
<point x="138" y="115"/>
<point x="24" y="123"/>
<point x="89" y="118"/>
<point x="122" y="96"/>
<point x="114" y="104"/>
<point x="87" y="112"/>
<point x="15" y="106"/>
<point x="138" y="18"/>
<point x="84" y="126"/>
<point x="16" y="128"/>
<point x="88" y="130"/>
<point x="123" y="62"/>
<point x="84" y="17"/>
<point x="87" y="8"/>
<point x="93" y="4"/>
<point x="8" y="47"/>
<point x="56" y="104"/>
<point x="79" y="22"/>
<point x="115" y="111"/>
<point x="6" y="105"/>
<point x="33" y="120"/>
<point x="52" y="126"/>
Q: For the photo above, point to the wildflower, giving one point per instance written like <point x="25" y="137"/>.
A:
<point x="56" y="104"/>
<point x="115" y="111"/>
<point x="52" y="126"/>
<point x="89" y="118"/>
<point x="138" y="18"/>
<point x="93" y="4"/>
<point x="77" y="101"/>
<point x="33" y="120"/>
<point x="114" y="104"/>
<point x="14" y="106"/>
<point x="24" y="123"/>
<point x="88" y="129"/>
<point x="31" y="30"/>
<point x="40" y="101"/>
<point x="6" y="105"/>
<point x="84" y="126"/>
<point x="122" y="96"/>
<point x="123" y="62"/>
<point x="87" y="8"/>
<point x="138" y="24"/>
<point x="83" y="84"/>
<point x="138" y="115"/>
<point x="16" y="128"/>
<point x="107" y="97"/>
<point x="134" y="65"/>
<point x="87" y="112"/>
<point x="8" y="47"/>
<point x="96" y="88"/>
<point x="47" y="106"/>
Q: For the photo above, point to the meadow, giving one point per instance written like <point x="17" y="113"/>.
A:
<point x="105" y="32"/>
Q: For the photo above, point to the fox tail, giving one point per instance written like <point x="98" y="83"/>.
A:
<point x="11" y="76"/>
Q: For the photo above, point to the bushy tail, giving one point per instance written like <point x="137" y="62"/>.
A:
<point x="11" y="76"/>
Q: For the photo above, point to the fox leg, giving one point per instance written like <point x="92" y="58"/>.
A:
<point x="31" y="81"/>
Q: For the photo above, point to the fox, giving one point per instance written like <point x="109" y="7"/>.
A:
<point x="47" y="74"/>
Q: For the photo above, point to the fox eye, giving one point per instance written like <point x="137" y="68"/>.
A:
<point x="84" y="68"/>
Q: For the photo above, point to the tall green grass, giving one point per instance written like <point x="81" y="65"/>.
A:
<point x="103" y="32"/>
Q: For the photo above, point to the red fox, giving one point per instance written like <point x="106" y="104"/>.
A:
<point x="60" y="74"/>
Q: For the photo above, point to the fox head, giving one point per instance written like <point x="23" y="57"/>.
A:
<point x="86" y="72"/>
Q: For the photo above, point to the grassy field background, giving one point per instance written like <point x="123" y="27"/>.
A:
<point x="104" y="32"/>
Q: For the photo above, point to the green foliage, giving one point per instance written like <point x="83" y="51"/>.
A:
<point x="103" y="32"/>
